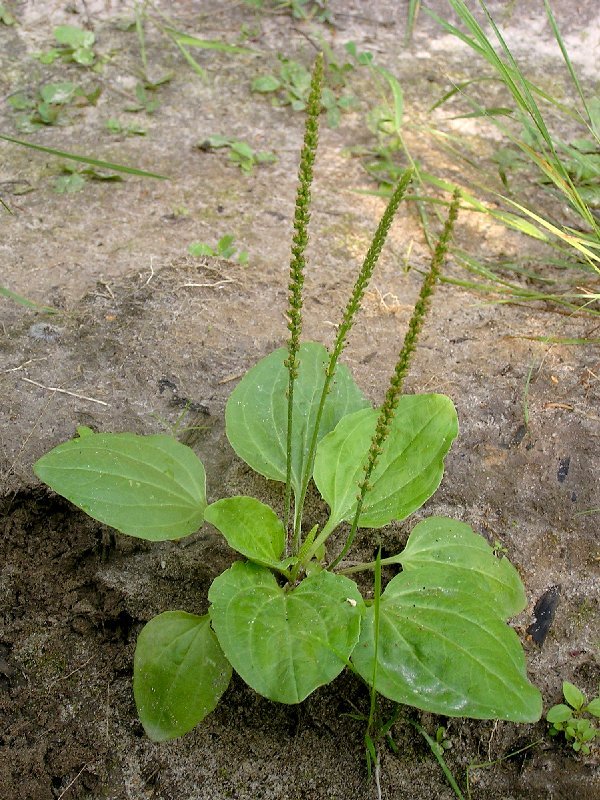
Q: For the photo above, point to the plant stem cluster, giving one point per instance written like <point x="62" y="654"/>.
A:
<point x="392" y="397"/>
<point x="298" y="260"/>
<point x="302" y="216"/>
<point x="366" y="271"/>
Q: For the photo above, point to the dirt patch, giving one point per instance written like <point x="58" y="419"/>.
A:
<point x="160" y="334"/>
<point x="76" y="596"/>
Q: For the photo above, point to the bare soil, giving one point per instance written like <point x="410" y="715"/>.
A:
<point x="145" y="332"/>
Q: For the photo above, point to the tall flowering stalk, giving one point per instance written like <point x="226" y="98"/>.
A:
<point x="392" y="397"/>
<point x="352" y="308"/>
<point x="298" y="260"/>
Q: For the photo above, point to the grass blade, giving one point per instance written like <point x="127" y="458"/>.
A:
<point x="565" y="55"/>
<point x="23" y="301"/>
<point x="84" y="159"/>
<point x="437" y="752"/>
<point x="207" y="44"/>
<point x="414" y="7"/>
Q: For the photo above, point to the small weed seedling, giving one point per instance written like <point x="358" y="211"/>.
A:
<point x="240" y="153"/>
<point x="74" y="44"/>
<point x="288" y="617"/>
<point x="309" y="9"/>
<point x="6" y="15"/>
<point x="299" y="9"/>
<point x="74" y="178"/>
<point x="579" y="730"/>
<point x="291" y="86"/>
<point x="225" y="248"/>
<point x="48" y="105"/>
<point x="119" y="128"/>
<point x="144" y="98"/>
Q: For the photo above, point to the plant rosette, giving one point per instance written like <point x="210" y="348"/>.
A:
<point x="442" y="643"/>
<point x="288" y="617"/>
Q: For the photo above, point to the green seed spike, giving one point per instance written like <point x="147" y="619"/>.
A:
<point x="388" y="409"/>
<point x="298" y="260"/>
<point x="367" y="269"/>
<point x="352" y="308"/>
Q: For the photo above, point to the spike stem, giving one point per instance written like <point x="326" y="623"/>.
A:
<point x="392" y="397"/>
<point x="298" y="264"/>
<point x="348" y="319"/>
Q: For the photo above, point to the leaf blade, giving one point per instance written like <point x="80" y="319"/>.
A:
<point x="409" y="469"/>
<point x="83" y="159"/>
<point x="250" y="527"/>
<point x="573" y="695"/>
<point x="285" y="644"/>
<point x="180" y="673"/>
<point x="444" y="651"/>
<point x="457" y="555"/>
<point x="256" y="412"/>
<point x="119" y="478"/>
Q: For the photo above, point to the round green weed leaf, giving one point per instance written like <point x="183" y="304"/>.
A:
<point x="152" y="487"/>
<point x="256" y="412"/>
<point x="250" y="527"/>
<point x="444" y="650"/>
<point x="458" y="556"/>
<point x="285" y="643"/>
<point x="593" y="707"/>
<point x="179" y="674"/>
<point x="559" y="713"/>
<point x="409" y="469"/>
<point x="573" y="695"/>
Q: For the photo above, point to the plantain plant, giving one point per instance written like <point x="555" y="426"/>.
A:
<point x="287" y="616"/>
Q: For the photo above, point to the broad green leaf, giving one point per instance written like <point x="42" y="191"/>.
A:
<point x="593" y="707"/>
<point x="6" y="16"/>
<point x="74" y="37"/>
<point x="179" y="674"/>
<point x="409" y="469"/>
<point x="446" y="651"/>
<point x="285" y="643"/>
<point x="250" y="527"/>
<point x="198" y="249"/>
<point x="83" y="56"/>
<point x="58" y="93"/>
<point x="225" y="242"/>
<point x="20" y="101"/>
<point x="265" y="83"/>
<point x="50" y="56"/>
<point x="68" y="184"/>
<point x="215" y="141"/>
<point x="256" y="413"/>
<point x="573" y="695"/>
<point x="559" y="713"/>
<point x="242" y="149"/>
<point x="152" y="487"/>
<point x="458" y="556"/>
<point x="46" y="113"/>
